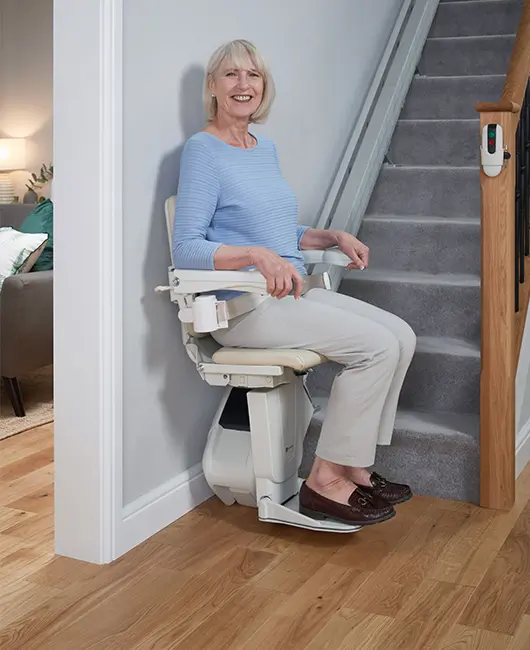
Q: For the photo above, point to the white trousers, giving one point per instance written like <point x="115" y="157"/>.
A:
<point x="374" y="346"/>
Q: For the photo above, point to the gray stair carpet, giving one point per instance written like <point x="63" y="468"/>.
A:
<point x="423" y="229"/>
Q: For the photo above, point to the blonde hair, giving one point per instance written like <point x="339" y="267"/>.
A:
<point x="237" y="53"/>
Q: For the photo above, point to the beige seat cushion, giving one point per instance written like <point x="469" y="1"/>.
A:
<point x="295" y="359"/>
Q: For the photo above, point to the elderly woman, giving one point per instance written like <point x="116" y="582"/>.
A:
<point x="235" y="211"/>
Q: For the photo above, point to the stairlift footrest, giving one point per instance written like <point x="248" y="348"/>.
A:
<point x="290" y="515"/>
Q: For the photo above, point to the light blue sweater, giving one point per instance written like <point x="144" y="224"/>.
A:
<point x="236" y="197"/>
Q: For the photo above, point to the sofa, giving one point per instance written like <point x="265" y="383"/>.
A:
<point x="26" y="318"/>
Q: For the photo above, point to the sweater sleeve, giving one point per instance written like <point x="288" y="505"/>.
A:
<point x="300" y="231"/>
<point x="197" y="197"/>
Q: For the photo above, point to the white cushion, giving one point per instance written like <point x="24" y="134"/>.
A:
<point x="295" y="359"/>
<point x="19" y="251"/>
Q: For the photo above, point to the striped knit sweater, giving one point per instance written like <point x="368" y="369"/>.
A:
<point x="233" y="196"/>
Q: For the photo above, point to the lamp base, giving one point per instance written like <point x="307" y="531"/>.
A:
<point x="7" y="191"/>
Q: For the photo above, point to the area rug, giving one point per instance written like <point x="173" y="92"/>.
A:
<point x="37" y="393"/>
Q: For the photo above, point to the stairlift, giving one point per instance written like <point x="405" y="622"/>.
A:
<point x="255" y="444"/>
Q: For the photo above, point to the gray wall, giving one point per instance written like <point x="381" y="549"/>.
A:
<point x="323" y="56"/>
<point x="26" y="80"/>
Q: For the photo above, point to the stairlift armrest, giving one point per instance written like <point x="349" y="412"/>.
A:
<point x="204" y="312"/>
<point x="330" y="256"/>
<point x="199" y="281"/>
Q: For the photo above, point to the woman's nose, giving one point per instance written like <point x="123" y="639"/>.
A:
<point x="243" y="81"/>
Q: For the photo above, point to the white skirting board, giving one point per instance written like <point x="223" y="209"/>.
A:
<point x="522" y="449"/>
<point x="157" y="509"/>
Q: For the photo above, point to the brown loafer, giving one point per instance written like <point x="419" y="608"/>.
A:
<point x="393" y="493"/>
<point x="362" y="510"/>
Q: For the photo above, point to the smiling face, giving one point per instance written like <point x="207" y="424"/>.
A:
<point x="238" y="88"/>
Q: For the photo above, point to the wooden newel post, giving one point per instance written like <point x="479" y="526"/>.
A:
<point x="498" y="337"/>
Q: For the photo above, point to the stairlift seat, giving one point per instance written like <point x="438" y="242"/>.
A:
<point x="296" y="359"/>
<point x="255" y="443"/>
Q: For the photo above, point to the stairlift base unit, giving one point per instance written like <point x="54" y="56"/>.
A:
<point x="254" y="449"/>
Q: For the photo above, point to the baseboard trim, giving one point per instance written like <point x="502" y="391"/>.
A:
<point x="155" y="510"/>
<point x="522" y="449"/>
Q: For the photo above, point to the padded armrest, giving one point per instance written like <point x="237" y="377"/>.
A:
<point x="191" y="281"/>
<point x="332" y="256"/>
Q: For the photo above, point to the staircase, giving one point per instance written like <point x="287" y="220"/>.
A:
<point x="423" y="228"/>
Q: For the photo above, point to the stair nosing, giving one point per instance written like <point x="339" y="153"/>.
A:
<point x="414" y="277"/>
<point x="476" y="2"/>
<point x="458" y="76"/>
<point x="461" y="38"/>
<point x="449" y="345"/>
<point x="424" y="219"/>
<point x="473" y="120"/>
<point x="472" y="418"/>
<point x="434" y="167"/>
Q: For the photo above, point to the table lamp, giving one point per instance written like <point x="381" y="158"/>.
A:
<point x="12" y="158"/>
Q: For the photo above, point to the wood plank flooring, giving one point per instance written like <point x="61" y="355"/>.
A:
<point x="442" y="575"/>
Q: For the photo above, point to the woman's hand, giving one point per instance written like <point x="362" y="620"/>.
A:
<point x="279" y="273"/>
<point x="354" y="249"/>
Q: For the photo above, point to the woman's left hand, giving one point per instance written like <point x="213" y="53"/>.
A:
<point x="355" y="250"/>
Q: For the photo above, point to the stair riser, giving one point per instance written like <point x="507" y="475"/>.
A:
<point x="422" y="460"/>
<point x="425" y="461"/>
<point x="431" y="310"/>
<point x="426" y="192"/>
<point x="434" y="382"/>
<point x="442" y="382"/>
<point x="466" y="57"/>
<point x="424" y="247"/>
<point x="448" y="98"/>
<point x="436" y="143"/>
<point x="471" y="19"/>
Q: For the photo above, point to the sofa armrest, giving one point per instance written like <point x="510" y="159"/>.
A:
<point x="26" y="322"/>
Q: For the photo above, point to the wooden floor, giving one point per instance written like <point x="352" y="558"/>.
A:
<point x="439" y="576"/>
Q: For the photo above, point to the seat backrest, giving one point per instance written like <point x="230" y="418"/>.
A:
<point x="169" y="208"/>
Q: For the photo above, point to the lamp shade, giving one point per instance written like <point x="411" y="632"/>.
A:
<point x="12" y="154"/>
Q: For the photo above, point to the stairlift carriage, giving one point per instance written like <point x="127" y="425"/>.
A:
<point x="255" y="444"/>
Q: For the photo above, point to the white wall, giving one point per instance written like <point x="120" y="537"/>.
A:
<point x="323" y="55"/>
<point x="522" y="401"/>
<point x="26" y="78"/>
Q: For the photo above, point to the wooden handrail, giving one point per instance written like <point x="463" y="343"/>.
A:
<point x="501" y="326"/>
<point x="518" y="71"/>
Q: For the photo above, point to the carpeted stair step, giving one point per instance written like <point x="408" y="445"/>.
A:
<point x="435" y="142"/>
<point x="426" y="449"/>
<point x="432" y="304"/>
<point x="438" y="191"/>
<point x="468" y="55"/>
<point x="476" y="18"/>
<point x="444" y="376"/>
<point x="428" y="245"/>
<point x="446" y="98"/>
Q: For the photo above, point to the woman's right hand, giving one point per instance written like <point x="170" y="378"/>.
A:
<point x="279" y="273"/>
